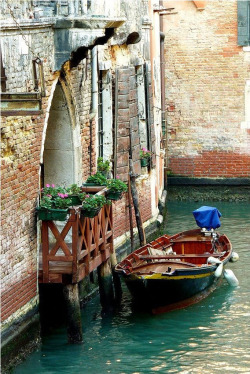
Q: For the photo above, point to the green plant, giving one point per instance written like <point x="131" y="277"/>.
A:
<point x="54" y="198"/>
<point x="97" y="179"/>
<point x="76" y="191"/>
<point x="145" y="153"/>
<point x="102" y="165"/>
<point x="116" y="185"/>
<point x="46" y="202"/>
<point x="62" y="202"/>
<point x="93" y="202"/>
<point x="52" y="190"/>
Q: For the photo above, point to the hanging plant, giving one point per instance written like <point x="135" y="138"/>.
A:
<point x="92" y="205"/>
<point x="54" y="203"/>
<point x="75" y="194"/>
<point x="97" y="179"/>
<point x="103" y="166"/>
<point x="145" y="155"/>
<point x="116" y="187"/>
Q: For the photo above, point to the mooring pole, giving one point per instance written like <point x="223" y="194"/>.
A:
<point x="106" y="286"/>
<point x="130" y="215"/>
<point x="116" y="278"/>
<point x="74" y="323"/>
<point x="135" y="197"/>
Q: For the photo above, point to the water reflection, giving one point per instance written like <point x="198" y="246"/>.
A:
<point x="211" y="337"/>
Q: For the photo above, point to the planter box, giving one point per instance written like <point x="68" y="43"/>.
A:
<point x="90" y="185"/>
<point x="144" y="162"/>
<point x="113" y="195"/>
<point x="75" y="200"/>
<point x="90" y="213"/>
<point x="52" y="214"/>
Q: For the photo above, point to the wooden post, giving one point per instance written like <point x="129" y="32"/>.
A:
<point x="130" y="215"/>
<point x="106" y="286"/>
<point x="74" y="323"/>
<point x="135" y="197"/>
<point x="116" y="278"/>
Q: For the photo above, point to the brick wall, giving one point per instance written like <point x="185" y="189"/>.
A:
<point x="128" y="135"/>
<point x="21" y="150"/>
<point x="78" y="87"/>
<point x="121" y="220"/>
<point x="21" y="142"/>
<point x="205" y="84"/>
<point x="128" y="130"/>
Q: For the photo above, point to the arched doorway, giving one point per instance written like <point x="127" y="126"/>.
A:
<point x="58" y="157"/>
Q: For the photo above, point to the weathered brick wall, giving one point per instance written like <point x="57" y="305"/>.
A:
<point x="128" y="122"/>
<point x="17" y="56"/>
<point x="21" y="139"/>
<point x="121" y="220"/>
<point x="21" y="150"/>
<point x="128" y="135"/>
<point x="128" y="130"/>
<point x="205" y="85"/>
<point x="78" y="86"/>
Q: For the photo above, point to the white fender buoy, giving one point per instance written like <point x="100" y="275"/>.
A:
<point x="212" y="260"/>
<point x="218" y="271"/>
<point x="231" y="278"/>
<point x="235" y="257"/>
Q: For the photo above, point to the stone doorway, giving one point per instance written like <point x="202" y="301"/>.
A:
<point x="58" y="157"/>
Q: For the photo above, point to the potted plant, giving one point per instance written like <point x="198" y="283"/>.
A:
<point x="75" y="194"/>
<point x="103" y="166"/>
<point x="116" y="187"/>
<point x="96" y="179"/>
<point x="54" y="204"/>
<point x="92" y="204"/>
<point x="145" y="155"/>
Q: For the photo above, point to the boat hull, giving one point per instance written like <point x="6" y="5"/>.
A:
<point x="160" y="290"/>
<point x="175" y="270"/>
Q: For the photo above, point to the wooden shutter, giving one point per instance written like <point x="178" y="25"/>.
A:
<point x="243" y="22"/>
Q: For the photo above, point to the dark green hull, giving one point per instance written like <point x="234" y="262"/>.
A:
<point x="153" y="293"/>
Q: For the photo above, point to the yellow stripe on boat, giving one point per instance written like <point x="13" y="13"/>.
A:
<point x="170" y="277"/>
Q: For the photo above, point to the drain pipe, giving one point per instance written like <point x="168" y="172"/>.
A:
<point x="94" y="99"/>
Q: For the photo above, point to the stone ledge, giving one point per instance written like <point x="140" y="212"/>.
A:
<point x="208" y="181"/>
<point x="20" y="340"/>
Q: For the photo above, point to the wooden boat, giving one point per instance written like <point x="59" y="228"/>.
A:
<point x="175" y="271"/>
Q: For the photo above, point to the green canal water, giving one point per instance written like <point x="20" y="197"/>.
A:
<point x="212" y="336"/>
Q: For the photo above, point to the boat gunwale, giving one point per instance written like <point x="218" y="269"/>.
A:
<point x="127" y="269"/>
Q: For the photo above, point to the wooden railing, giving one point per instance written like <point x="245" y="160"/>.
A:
<point x="69" y="253"/>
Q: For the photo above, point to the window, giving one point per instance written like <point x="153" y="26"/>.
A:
<point x="3" y="76"/>
<point x="244" y="22"/>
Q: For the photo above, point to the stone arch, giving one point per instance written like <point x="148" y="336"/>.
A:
<point x="62" y="151"/>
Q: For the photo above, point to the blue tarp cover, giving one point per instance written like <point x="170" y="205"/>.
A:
<point x="208" y="217"/>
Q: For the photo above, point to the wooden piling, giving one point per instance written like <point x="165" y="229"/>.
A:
<point x="130" y="215"/>
<point x="116" y="278"/>
<point x="106" y="286"/>
<point x="135" y="197"/>
<point x="74" y="323"/>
